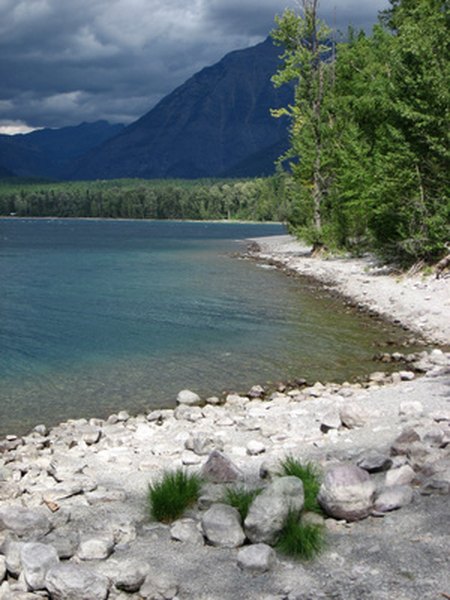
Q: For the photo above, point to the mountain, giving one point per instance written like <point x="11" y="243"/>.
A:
<point x="51" y="152"/>
<point x="217" y="123"/>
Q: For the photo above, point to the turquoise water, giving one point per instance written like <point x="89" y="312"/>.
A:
<point x="98" y="316"/>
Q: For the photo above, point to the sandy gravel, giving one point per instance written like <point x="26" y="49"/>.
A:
<point x="419" y="302"/>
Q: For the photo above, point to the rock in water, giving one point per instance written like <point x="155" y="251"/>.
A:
<point x="347" y="492"/>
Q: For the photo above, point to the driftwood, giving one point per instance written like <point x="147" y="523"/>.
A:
<point x="442" y="265"/>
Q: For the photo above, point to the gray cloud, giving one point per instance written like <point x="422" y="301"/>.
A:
<point x="66" y="61"/>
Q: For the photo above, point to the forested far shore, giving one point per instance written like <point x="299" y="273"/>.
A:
<point x="261" y="199"/>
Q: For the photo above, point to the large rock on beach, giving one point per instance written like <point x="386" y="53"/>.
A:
<point x="393" y="497"/>
<point x="269" y="510"/>
<point x="188" y="398"/>
<point x="26" y="523"/>
<point x="96" y="546"/>
<point x="256" y="558"/>
<point x="374" y="462"/>
<point x="220" y="469"/>
<point x="69" y="581"/>
<point x="222" y="526"/>
<point x="159" y="586"/>
<point x="353" y="415"/>
<point x="36" y="560"/>
<point x="186" y="530"/>
<point x="347" y="492"/>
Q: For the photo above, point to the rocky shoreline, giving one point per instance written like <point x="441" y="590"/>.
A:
<point x="74" y="518"/>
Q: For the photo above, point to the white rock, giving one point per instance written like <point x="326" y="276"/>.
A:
<point x="331" y="420"/>
<point x="186" y="530"/>
<point x="96" y="546"/>
<point x="401" y="476"/>
<point x="129" y="575"/>
<point x="2" y="568"/>
<point x="353" y="415"/>
<point x="393" y="497"/>
<point x="24" y="522"/>
<point x="255" y="447"/>
<point x="36" y="560"/>
<point x="188" y="398"/>
<point x="158" y="586"/>
<point x="12" y="557"/>
<point x="256" y="558"/>
<point x="222" y="526"/>
<point x="67" y="581"/>
<point x="407" y="375"/>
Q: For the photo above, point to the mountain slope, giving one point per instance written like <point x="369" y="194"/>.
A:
<point x="49" y="152"/>
<point x="216" y="121"/>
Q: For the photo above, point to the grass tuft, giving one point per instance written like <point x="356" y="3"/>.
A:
<point x="241" y="498"/>
<point x="169" y="497"/>
<point x="310" y="476"/>
<point x="299" y="540"/>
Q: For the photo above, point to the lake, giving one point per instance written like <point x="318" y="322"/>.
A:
<point x="98" y="316"/>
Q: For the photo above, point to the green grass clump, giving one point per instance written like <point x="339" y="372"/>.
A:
<point x="310" y="476"/>
<point x="241" y="498"/>
<point x="299" y="540"/>
<point x="169" y="497"/>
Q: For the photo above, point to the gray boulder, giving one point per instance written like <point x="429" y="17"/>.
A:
<point x="69" y="581"/>
<point x="12" y="557"/>
<point x="65" y="541"/>
<point x="2" y="568"/>
<point x="186" y="530"/>
<point x="347" y="492"/>
<point x="402" y="443"/>
<point x="26" y="523"/>
<point x="129" y="576"/>
<point x="36" y="560"/>
<point x="374" y="462"/>
<point x="393" y="497"/>
<point x="97" y="546"/>
<point x="220" y="469"/>
<point x="222" y="526"/>
<point x="158" y="586"/>
<point x="256" y="558"/>
<point x="269" y="510"/>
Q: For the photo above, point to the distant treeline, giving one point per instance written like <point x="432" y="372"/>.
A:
<point x="261" y="199"/>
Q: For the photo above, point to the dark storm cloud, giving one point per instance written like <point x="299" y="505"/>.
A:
<point x="64" y="61"/>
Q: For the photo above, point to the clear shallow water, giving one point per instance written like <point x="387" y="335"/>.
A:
<point x="98" y="316"/>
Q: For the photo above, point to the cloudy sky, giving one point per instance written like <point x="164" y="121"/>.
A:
<point x="67" y="61"/>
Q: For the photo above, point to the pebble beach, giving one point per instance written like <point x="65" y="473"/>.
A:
<point x="74" y="518"/>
